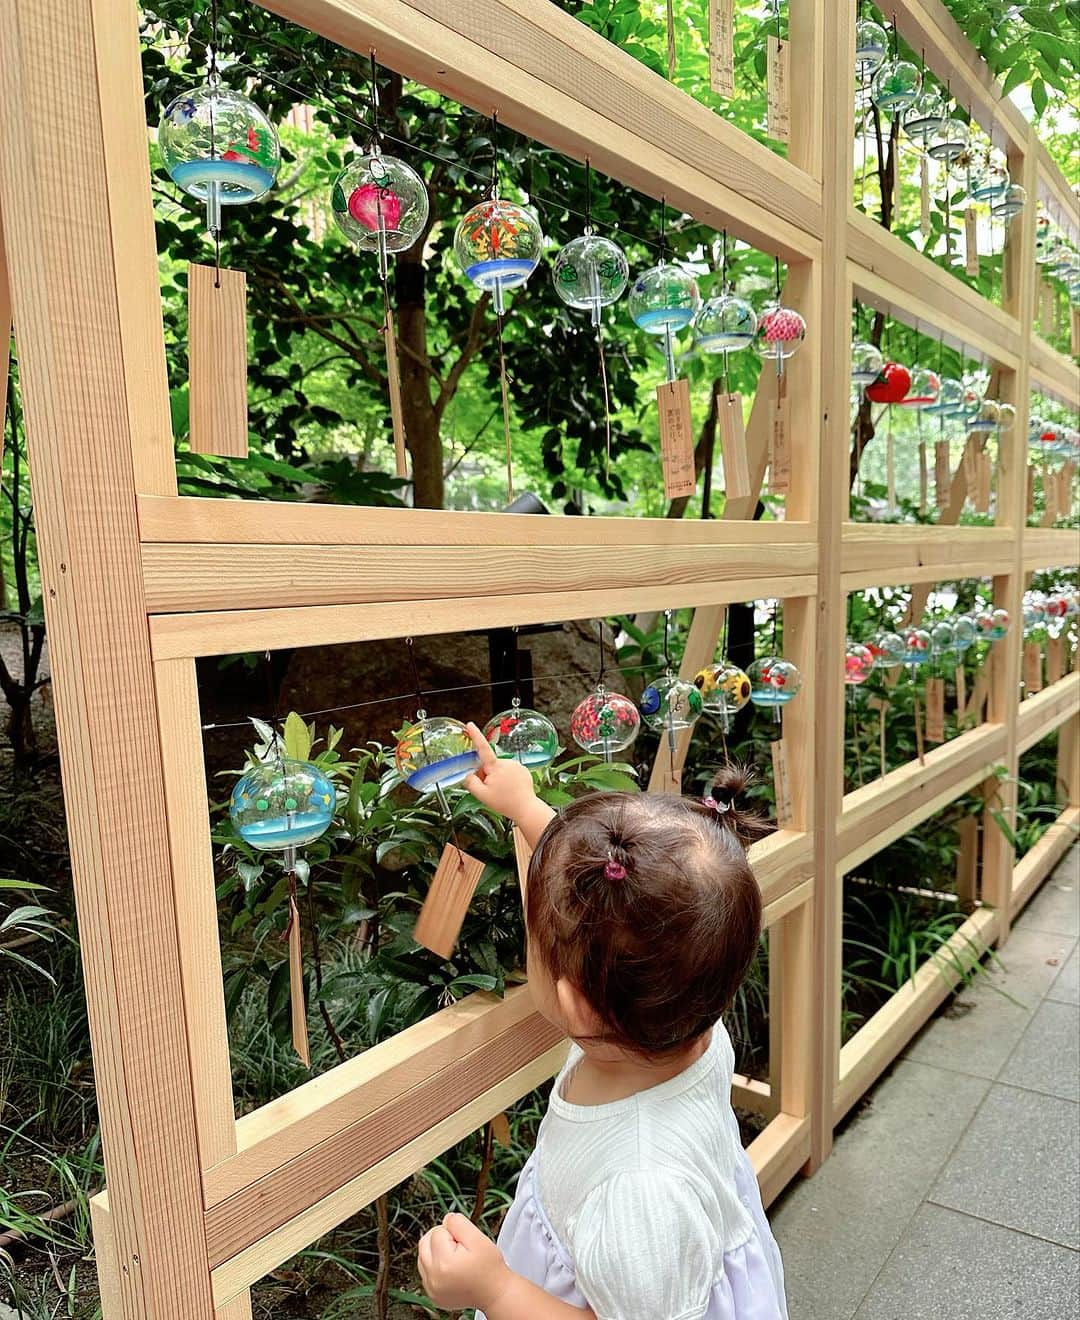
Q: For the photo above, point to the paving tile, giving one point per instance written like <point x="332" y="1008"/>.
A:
<point x="1066" y="987"/>
<point x="978" y="1030"/>
<point x="837" y="1229"/>
<point x="949" y="1266"/>
<point x="1047" y="1058"/>
<point x="1018" y="1165"/>
<point x="1056" y="907"/>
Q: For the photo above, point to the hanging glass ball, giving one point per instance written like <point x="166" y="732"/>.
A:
<point x="896" y="85"/>
<point x="1047" y="243"/>
<point x="773" y="681"/>
<point x="923" y="390"/>
<point x="725" y="325"/>
<point x="950" y="399"/>
<point x="984" y="625"/>
<point x="871" y="45"/>
<point x="1011" y="204"/>
<point x="992" y="183"/>
<point x="927" y="114"/>
<point x="858" y="664"/>
<point x="967" y="167"/>
<point x="916" y="646"/>
<point x="213" y="138"/>
<point x="866" y="364"/>
<point x="670" y="703"/>
<point x="498" y="245"/>
<point x="780" y="332"/>
<point x="377" y="197"/>
<point x="435" y="753"/>
<point x="282" y="804"/>
<point x="985" y="417"/>
<point x="590" y="272"/>
<point x="942" y="638"/>
<point x="1057" y="607"/>
<point x="522" y="734"/>
<point x="605" y="722"/>
<point x="724" y="688"/>
<point x="948" y="141"/>
<point x="992" y="625"/>
<point x="964" y="633"/>
<point x="892" y="384"/>
<point x="663" y="298"/>
<point x="1034" y="615"/>
<point x="889" y="650"/>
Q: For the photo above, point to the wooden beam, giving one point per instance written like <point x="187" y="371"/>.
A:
<point x="87" y="420"/>
<point x="553" y="79"/>
<point x="1036" y="864"/>
<point x="893" y="555"/>
<point x="1053" y="373"/>
<point x="778" y="1153"/>
<point x="1046" y="711"/>
<point x="1048" y="547"/>
<point x="877" y="814"/>
<point x="1056" y="195"/>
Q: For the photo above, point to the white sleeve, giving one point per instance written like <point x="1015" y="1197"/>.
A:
<point x="645" y="1249"/>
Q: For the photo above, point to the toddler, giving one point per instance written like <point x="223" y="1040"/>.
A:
<point x="638" y="1202"/>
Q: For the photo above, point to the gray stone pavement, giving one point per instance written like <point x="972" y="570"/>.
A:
<point x="954" y="1193"/>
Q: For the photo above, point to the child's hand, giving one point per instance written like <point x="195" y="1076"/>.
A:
<point x="459" y="1265"/>
<point x="501" y="783"/>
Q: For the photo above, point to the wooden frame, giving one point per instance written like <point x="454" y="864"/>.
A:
<point x="199" y="1205"/>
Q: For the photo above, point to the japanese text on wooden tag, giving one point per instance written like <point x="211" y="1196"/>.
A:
<point x="722" y="46"/>
<point x="1031" y="489"/>
<point x="1055" y="659"/>
<point x="978" y="696"/>
<point x="924" y="195"/>
<point x="1050" y="494"/>
<point x="733" y="446"/>
<point x="942" y="475"/>
<point x="217" y="361"/>
<point x="969" y="466"/>
<point x="676" y="439"/>
<point x="785" y="815"/>
<point x="779" y="90"/>
<point x="935" y="710"/>
<point x="983" y="481"/>
<point x="1033" y="667"/>
<point x="780" y="441"/>
<point x="971" y="242"/>
<point x="448" y="899"/>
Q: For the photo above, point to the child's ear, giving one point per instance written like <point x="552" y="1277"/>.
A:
<point x="581" y="1019"/>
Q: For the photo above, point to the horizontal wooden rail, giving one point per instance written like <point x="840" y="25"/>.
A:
<point x="877" y="814"/>
<point x="887" y="555"/>
<point x="1056" y="195"/>
<point x="545" y="74"/>
<point x="897" y="279"/>
<point x="1050" y="547"/>
<point x="1053" y="373"/>
<point x="875" y="1045"/>
<point x="778" y="1153"/>
<point x="181" y="578"/>
<point x="207" y="522"/>
<point x="1036" y="864"/>
<point x="1047" y="710"/>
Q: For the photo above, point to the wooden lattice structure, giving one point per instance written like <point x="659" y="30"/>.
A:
<point x="139" y="583"/>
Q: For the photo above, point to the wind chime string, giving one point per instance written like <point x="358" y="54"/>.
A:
<point x="599" y="331"/>
<point x="504" y="389"/>
<point x="212" y="194"/>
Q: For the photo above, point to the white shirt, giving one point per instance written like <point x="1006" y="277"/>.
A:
<point x="633" y="1186"/>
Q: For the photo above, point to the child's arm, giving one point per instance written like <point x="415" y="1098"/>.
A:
<point x="460" y="1266"/>
<point x="505" y="786"/>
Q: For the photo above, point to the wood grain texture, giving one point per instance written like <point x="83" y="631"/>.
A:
<point x="5" y="339"/>
<point x="84" y="418"/>
<point x="448" y="898"/>
<point x="1039" y="862"/>
<point x="1040" y="715"/>
<point x="217" y="361"/>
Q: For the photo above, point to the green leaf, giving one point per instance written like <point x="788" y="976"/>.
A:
<point x="1039" y="97"/>
<point x="297" y="737"/>
<point x="1018" y="74"/>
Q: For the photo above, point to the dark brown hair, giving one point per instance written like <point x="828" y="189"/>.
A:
<point x="660" y="949"/>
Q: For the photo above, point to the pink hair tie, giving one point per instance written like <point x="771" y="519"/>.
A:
<point x="714" y="805"/>
<point x="614" y="870"/>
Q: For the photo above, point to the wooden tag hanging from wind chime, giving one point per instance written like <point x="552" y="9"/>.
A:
<point x="722" y="46"/>
<point x="983" y="481"/>
<point x="960" y="678"/>
<point x="217" y="361"/>
<point x="733" y="447"/>
<point x="297" y="999"/>
<point x="942" y="475"/>
<point x="935" y="710"/>
<point x="448" y="898"/>
<point x="1032" y="667"/>
<point x="779" y="90"/>
<point x="676" y="438"/>
<point x="1055" y="659"/>
<point x="971" y="243"/>
<point x="924" y="195"/>
<point x="785" y="814"/>
<point x="780" y="439"/>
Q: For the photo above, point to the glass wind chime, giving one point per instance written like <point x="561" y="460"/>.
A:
<point x="670" y="704"/>
<point x="780" y="331"/>
<point x="380" y="203"/>
<point x="498" y="244"/>
<point x="590" y="273"/>
<point x="604" y="722"/>
<point x="725" y="323"/>
<point x="664" y="299"/>
<point x="774" y="681"/>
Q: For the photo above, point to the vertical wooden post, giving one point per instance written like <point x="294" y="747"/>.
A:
<point x="5" y="339"/>
<point x="92" y="401"/>
<point x="826" y="736"/>
<point x="1004" y="665"/>
<point x="1068" y="763"/>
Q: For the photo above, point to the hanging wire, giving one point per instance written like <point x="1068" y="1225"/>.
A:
<point x="214" y="78"/>
<point x="600" y="673"/>
<point x="494" y="155"/>
<point x="667" y="639"/>
<point x="777" y="261"/>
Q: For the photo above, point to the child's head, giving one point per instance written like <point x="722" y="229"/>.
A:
<point x="647" y="907"/>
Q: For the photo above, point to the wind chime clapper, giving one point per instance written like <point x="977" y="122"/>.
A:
<point x="498" y="244"/>
<point x="381" y="204"/>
